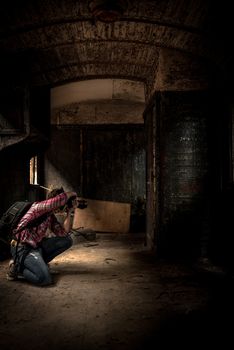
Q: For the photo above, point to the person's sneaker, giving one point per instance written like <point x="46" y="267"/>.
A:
<point x="11" y="274"/>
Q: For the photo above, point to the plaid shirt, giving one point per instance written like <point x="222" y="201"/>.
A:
<point x="34" y="235"/>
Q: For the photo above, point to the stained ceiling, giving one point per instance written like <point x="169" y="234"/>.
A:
<point x="53" y="42"/>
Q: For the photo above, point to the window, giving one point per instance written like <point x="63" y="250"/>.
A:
<point x="34" y="171"/>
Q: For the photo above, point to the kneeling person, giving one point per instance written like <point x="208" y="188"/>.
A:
<point x="32" y="250"/>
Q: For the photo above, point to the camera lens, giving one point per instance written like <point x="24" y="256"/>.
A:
<point x="82" y="204"/>
<point x="69" y="202"/>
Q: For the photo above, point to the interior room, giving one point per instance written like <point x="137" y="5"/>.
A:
<point x="129" y="104"/>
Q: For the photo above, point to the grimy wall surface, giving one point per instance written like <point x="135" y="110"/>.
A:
<point x="188" y="164"/>
<point x="99" y="162"/>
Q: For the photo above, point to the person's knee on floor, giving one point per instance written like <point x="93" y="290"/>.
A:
<point x="40" y="276"/>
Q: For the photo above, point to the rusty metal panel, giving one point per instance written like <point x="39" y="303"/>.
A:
<point x="150" y="127"/>
<point x="114" y="163"/>
<point x="177" y="169"/>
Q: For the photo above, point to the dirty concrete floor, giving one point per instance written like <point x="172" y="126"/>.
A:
<point x="112" y="293"/>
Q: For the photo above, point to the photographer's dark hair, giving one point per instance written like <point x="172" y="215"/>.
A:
<point x="82" y="204"/>
<point x="55" y="192"/>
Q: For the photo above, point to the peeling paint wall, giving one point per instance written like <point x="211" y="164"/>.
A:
<point x="104" y="101"/>
<point x="180" y="71"/>
<point x="99" y="112"/>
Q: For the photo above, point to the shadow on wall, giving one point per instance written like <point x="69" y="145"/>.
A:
<point x="138" y="215"/>
<point x="222" y="226"/>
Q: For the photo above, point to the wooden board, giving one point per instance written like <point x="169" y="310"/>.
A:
<point x="103" y="216"/>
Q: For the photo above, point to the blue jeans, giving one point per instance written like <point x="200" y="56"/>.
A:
<point x="33" y="262"/>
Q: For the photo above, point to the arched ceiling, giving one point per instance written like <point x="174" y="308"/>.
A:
<point x="59" y="41"/>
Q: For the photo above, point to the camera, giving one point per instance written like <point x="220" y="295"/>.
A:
<point x="82" y="203"/>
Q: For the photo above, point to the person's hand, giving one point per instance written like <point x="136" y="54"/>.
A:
<point x="71" y="194"/>
<point x="72" y="201"/>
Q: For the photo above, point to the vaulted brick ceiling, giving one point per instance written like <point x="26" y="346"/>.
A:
<point x="57" y="41"/>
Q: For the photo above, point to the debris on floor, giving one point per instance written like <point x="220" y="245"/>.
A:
<point x="116" y="296"/>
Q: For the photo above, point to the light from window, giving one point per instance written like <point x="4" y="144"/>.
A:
<point x="33" y="171"/>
